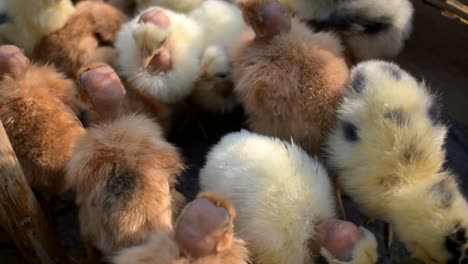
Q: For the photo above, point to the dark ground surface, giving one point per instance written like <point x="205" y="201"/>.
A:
<point x="436" y="52"/>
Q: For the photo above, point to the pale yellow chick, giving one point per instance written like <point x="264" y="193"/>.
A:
<point x="388" y="151"/>
<point x="28" y="21"/>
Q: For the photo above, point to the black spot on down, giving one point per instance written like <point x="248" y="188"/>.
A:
<point x="397" y="116"/>
<point x="351" y="23"/>
<point x="350" y="131"/>
<point x="393" y="70"/>
<point x="442" y="193"/>
<point x="120" y="187"/>
<point x="359" y="82"/>
<point x="454" y="244"/>
<point x="435" y="114"/>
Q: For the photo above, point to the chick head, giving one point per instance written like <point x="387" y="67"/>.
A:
<point x="215" y="64"/>
<point x="149" y="39"/>
<point x="267" y="18"/>
<point x="213" y="87"/>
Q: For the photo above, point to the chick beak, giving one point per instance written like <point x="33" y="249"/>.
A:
<point x="150" y="39"/>
<point x="147" y="55"/>
<point x="200" y="77"/>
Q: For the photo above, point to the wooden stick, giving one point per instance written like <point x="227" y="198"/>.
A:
<point x="452" y="6"/>
<point x="20" y="213"/>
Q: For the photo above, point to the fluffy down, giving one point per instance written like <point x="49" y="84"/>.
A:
<point x="183" y="6"/>
<point x="388" y="151"/>
<point x="25" y="22"/>
<point x="38" y="114"/>
<point x="133" y="102"/>
<point x="214" y="89"/>
<point x="292" y="85"/>
<point x="279" y="192"/>
<point x="166" y="248"/>
<point x="186" y="46"/>
<point x="222" y="24"/>
<point x="159" y="248"/>
<point x="123" y="173"/>
<point x="371" y="29"/>
<point x="137" y="102"/>
<point x="93" y="26"/>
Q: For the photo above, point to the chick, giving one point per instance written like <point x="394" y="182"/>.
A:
<point x="93" y="26"/>
<point x="123" y="171"/>
<point x="214" y="88"/>
<point x="133" y="102"/>
<point x="25" y="22"/>
<point x="370" y="29"/>
<point x="289" y="80"/>
<point x="285" y="208"/>
<point x="222" y="24"/>
<point x="387" y="149"/>
<point x="203" y="234"/>
<point x="159" y="54"/>
<point x="35" y="110"/>
<point x="183" y="6"/>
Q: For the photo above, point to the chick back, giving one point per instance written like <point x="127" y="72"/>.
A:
<point x="123" y="173"/>
<point x="42" y="129"/>
<point x="291" y="86"/>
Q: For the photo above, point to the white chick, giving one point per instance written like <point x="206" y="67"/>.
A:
<point x="388" y="152"/>
<point x="285" y="208"/>
<point x="371" y="29"/>
<point x="222" y="24"/>
<point x="162" y="67"/>
<point x="214" y="88"/>
<point x="24" y="22"/>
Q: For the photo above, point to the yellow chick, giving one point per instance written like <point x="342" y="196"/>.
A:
<point x="26" y="22"/>
<point x="284" y="203"/>
<point x="387" y="149"/>
<point x="222" y="25"/>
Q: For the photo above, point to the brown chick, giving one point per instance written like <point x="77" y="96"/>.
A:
<point x="203" y="234"/>
<point x="36" y="108"/>
<point x="289" y="80"/>
<point x="93" y="26"/>
<point x="133" y="102"/>
<point x="123" y="171"/>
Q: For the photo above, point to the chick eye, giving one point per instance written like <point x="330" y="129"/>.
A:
<point x="4" y="18"/>
<point x="350" y="131"/>
<point x="221" y="75"/>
